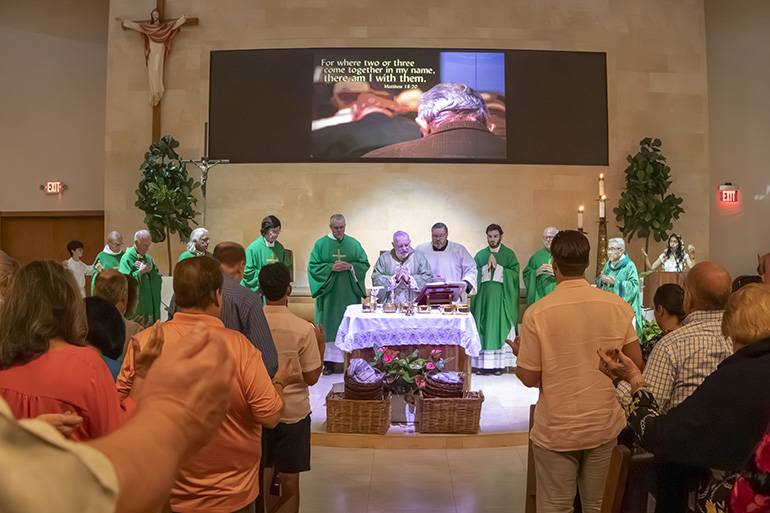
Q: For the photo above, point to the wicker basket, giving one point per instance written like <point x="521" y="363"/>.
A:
<point x="451" y="415"/>
<point x="356" y="416"/>
<point x="362" y="391"/>
<point x="434" y="388"/>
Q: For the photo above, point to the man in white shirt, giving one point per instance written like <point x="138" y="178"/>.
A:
<point x="449" y="261"/>
<point x="76" y="266"/>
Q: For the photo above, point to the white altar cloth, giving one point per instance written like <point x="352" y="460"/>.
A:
<point x="362" y="330"/>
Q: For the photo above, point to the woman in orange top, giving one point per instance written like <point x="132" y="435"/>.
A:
<point x="45" y="366"/>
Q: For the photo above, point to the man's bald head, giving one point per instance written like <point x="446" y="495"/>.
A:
<point x="548" y="235"/>
<point x="707" y="287"/>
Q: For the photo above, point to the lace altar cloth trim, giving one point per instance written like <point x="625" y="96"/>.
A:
<point x="359" y="331"/>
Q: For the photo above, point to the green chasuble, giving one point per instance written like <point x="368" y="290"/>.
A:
<point x="190" y="254"/>
<point x="107" y="261"/>
<point x="626" y="286"/>
<point x="496" y="305"/>
<point x="258" y="254"/>
<point x="538" y="286"/>
<point x="148" y="306"/>
<point x="335" y="290"/>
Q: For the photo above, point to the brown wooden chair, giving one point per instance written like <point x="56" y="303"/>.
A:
<point x="628" y="482"/>
<point x="530" y="506"/>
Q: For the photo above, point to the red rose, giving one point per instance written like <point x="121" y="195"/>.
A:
<point x="742" y="497"/>
<point x="763" y="454"/>
<point x="744" y="500"/>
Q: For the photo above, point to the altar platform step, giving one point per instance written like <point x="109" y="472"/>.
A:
<point x="504" y="420"/>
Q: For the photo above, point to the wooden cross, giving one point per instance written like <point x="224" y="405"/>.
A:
<point x="338" y="255"/>
<point x="160" y="6"/>
<point x="272" y="260"/>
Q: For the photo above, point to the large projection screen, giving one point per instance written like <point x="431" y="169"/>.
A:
<point x="407" y="104"/>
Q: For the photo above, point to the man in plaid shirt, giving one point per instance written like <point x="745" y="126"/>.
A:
<point x="682" y="359"/>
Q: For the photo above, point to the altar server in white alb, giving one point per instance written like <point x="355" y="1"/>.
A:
<point x="449" y="261"/>
<point x="76" y="266"/>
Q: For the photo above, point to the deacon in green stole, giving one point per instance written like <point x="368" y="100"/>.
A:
<point x="110" y="256"/>
<point x="336" y="273"/>
<point x="538" y="274"/>
<point x="140" y="266"/>
<point x="620" y="277"/>
<point x="265" y="250"/>
<point x="496" y="305"/>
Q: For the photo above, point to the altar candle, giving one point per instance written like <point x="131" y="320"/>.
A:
<point x="580" y="218"/>
<point x="601" y="184"/>
<point x="601" y="207"/>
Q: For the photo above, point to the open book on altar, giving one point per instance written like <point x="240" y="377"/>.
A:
<point x="440" y="293"/>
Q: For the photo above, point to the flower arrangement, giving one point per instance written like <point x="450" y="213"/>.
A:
<point x="405" y="373"/>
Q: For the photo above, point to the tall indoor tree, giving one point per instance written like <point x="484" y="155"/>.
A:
<point x="165" y="194"/>
<point x="645" y="209"/>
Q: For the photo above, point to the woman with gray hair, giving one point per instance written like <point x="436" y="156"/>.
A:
<point x="198" y="245"/>
<point x="620" y="277"/>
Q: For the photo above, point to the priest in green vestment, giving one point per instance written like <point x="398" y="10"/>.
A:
<point x="620" y="277"/>
<point x="109" y="257"/>
<point x="198" y="245"/>
<point x="140" y="266"/>
<point x="495" y="306"/>
<point x="401" y="272"/>
<point x="336" y="273"/>
<point x="265" y="250"/>
<point x="538" y="274"/>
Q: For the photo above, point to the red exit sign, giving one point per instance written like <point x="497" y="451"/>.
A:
<point x="53" y="187"/>
<point x="728" y="196"/>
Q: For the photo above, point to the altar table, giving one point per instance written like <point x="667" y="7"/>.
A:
<point x="456" y="335"/>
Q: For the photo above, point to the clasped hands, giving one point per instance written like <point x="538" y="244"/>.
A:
<point x="609" y="280"/>
<point x="616" y="365"/>
<point x="339" y="265"/>
<point x="492" y="263"/>
<point x="402" y="275"/>
<point x="544" y="269"/>
<point x="142" y="266"/>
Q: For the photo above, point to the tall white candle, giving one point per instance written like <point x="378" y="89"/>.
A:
<point x="601" y="207"/>
<point x="601" y="184"/>
<point x="580" y="218"/>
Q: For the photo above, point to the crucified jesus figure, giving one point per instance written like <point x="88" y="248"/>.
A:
<point x="157" y="35"/>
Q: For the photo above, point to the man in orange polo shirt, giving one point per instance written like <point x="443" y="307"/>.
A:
<point x="223" y="476"/>
<point x="577" y="417"/>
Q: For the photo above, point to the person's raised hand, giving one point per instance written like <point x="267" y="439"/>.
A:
<point x="492" y="261"/>
<point x="544" y="269"/>
<point x="144" y="358"/>
<point x="66" y="423"/>
<point x="514" y="344"/>
<point x="190" y="384"/>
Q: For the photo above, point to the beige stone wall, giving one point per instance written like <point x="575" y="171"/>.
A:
<point x="53" y="63"/>
<point x="656" y="61"/>
<point x="739" y="107"/>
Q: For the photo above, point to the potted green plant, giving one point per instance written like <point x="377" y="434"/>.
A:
<point x="404" y="375"/>
<point x="644" y="208"/>
<point x="165" y="194"/>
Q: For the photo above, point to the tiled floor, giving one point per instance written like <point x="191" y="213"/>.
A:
<point x="489" y="480"/>
<point x="411" y="481"/>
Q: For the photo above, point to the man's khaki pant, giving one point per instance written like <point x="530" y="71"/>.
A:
<point x="560" y="474"/>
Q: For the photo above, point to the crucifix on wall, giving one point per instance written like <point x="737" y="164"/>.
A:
<point x="157" y="35"/>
